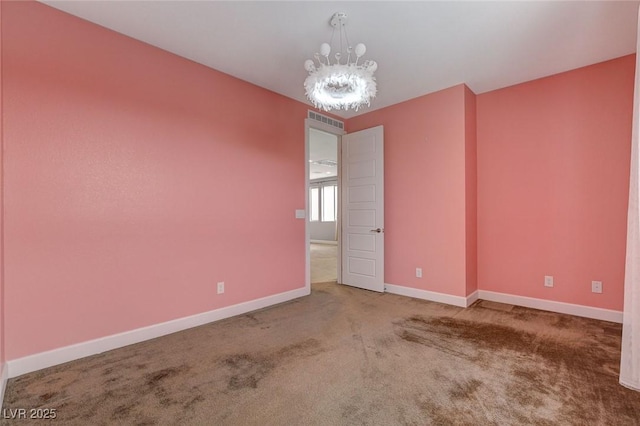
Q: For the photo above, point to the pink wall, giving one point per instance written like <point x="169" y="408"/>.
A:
<point x="553" y="178"/>
<point x="135" y="180"/>
<point x="425" y="190"/>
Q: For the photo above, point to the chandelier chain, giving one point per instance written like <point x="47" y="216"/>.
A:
<point x="346" y="37"/>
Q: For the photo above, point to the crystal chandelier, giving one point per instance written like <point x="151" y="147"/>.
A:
<point x="345" y="83"/>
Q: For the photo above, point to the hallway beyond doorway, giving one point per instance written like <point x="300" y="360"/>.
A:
<point x="324" y="263"/>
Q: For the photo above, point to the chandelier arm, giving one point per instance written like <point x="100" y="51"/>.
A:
<point x="331" y="43"/>
<point x="346" y="37"/>
<point x="342" y="29"/>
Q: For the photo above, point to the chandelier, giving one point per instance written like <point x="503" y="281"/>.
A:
<point x="345" y="83"/>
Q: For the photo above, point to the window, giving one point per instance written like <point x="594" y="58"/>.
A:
<point x="314" y="204"/>
<point x="329" y="203"/>
<point x="323" y="202"/>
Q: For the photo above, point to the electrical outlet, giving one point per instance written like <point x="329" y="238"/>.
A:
<point x="548" y="281"/>
<point x="596" y="286"/>
<point x="418" y="272"/>
<point x="221" y="287"/>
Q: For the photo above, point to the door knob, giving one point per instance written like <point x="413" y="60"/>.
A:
<point x="378" y="230"/>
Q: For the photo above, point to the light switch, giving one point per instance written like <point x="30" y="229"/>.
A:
<point x="300" y="214"/>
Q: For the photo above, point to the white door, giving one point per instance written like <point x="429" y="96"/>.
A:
<point x="362" y="236"/>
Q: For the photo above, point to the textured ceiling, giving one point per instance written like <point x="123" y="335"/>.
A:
<point x="420" y="47"/>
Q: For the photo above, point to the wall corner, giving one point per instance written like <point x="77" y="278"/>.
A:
<point x="471" y="191"/>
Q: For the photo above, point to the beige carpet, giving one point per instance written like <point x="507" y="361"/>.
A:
<point x="324" y="263"/>
<point x="344" y="356"/>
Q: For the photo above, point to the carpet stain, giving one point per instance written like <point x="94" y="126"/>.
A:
<point x="308" y="347"/>
<point x="613" y="330"/>
<point x="123" y="411"/>
<point x="51" y="383"/>
<point x="345" y="356"/>
<point x="531" y="375"/>
<point x="562" y="322"/>
<point x="354" y="410"/>
<point x="157" y="377"/>
<point x="47" y="396"/>
<point x="485" y="304"/>
<point x="111" y="380"/>
<point x="568" y="364"/>
<point x="191" y="402"/>
<point x="437" y="414"/>
<point x="246" y="370"/>
<point x="252" y="317"/>
<point x="412" y="335"/>
<point x="465" y="390"/>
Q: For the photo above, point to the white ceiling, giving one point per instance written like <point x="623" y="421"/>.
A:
<point x="420" y="46"/>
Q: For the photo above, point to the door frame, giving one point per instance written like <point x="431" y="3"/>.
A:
<point x="308" y="124"/>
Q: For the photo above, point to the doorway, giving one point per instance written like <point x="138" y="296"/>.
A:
<point x="353" y="198"/>
<point x="323" y="205"/>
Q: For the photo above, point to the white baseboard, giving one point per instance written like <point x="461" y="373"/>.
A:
<point x="17" y="367"/>
<point x="629" y="385"/>
<point x="4" y="376"/>
<point x="472" y="298"/>
<point x="20" y="366"/>
<point x="330" y="242"/>
<point x="527" y="302"/>
<point x="433" y="296"/>
<point x="553" y="306"/>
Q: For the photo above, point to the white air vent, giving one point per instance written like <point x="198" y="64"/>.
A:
<point x="326" y="120"/>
